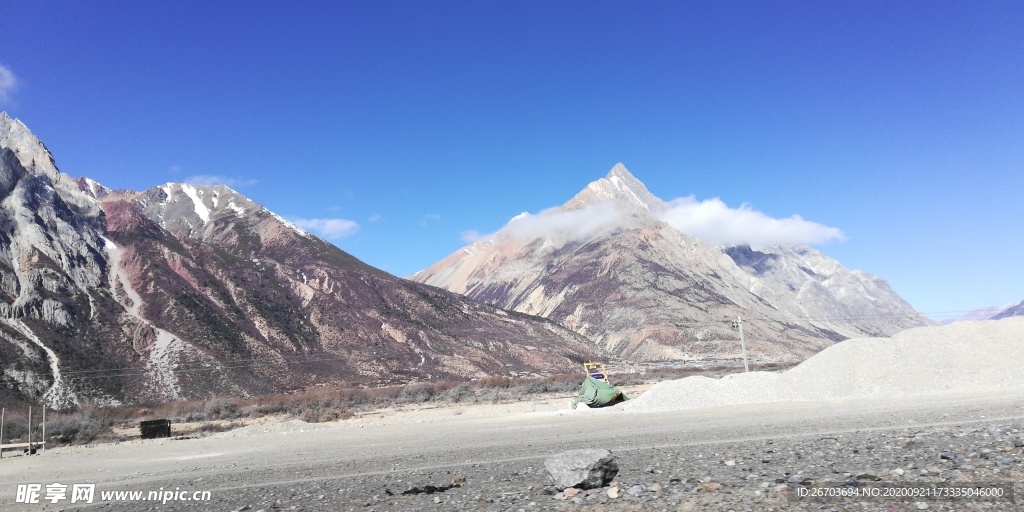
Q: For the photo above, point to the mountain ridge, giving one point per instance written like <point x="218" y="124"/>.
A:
<point x="192" y="291"/>
<point x="646" y="290"/>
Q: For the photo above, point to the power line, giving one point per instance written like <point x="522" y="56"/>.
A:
<point x="300" y="359"/>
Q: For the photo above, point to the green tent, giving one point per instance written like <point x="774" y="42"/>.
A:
<point x="598" y="393"/>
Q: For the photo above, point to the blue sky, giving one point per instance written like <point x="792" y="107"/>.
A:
<point x="403" y="125"/>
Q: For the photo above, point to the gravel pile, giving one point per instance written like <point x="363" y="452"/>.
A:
<point x="963" y="357"/>
<point x="698" y="392"/>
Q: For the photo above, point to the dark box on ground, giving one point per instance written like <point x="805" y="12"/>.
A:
<point x="155" y="428"/>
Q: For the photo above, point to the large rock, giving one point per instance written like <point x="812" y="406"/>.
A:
<point x="582" y="469"/>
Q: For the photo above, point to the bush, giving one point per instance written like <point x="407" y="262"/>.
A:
<point x="220" y="409"/>
<point x="78" y="427"/>
<point x="459" y="393"/>
<point x="319" y="406"/>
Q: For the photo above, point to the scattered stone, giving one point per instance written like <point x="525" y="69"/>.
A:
<point x="612" y="492"/>
<point x="711" y="487"/>
<point x="584" y="469"/>
<point x="429" y="489"/>
<point x="570" y="492"/>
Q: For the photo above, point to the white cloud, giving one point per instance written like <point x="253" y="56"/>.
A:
<point x="713" y="221"/>
<point x="328" y="228"/>
<point x="376" y="217"/>
<point x="710" y="220"/>
<point x="430" y="218"/>
<point x="473" y="236"/>
<point x="210" y="179"/>
<point x="573" y="224"/>
<point x="8" y="83"/>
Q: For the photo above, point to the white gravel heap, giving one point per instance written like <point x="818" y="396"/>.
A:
<point x="963" y="357"/>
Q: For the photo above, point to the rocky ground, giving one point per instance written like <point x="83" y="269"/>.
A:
<point x="753" y="457"/>
<point x="753" y="475"/>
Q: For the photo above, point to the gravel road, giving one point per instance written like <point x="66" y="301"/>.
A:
<point x="749" y="457"/>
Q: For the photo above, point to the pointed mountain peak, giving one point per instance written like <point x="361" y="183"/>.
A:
<point x="620" y="170"/>
<point x="15" y="136"/>
<point x="92" y="188"/>
<point x="621" y="187"/>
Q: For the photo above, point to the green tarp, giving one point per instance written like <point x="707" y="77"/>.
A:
<point x="598" y="393"/>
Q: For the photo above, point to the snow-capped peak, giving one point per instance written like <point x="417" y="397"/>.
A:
<point x="621" y="187"/>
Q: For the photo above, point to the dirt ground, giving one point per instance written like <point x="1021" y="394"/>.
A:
<point x="490" y="457"/>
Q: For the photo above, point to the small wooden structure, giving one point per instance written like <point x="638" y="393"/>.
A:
<point x="30" y="444"/>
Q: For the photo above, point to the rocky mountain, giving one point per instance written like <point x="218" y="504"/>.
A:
<point x="978" y="314"/>
<point x="1014" y="310"/>
<point x="196" y="291"/>
<point x="608" y="265"/>
<point x="989" y="313"/>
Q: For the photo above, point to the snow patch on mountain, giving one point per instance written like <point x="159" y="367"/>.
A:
<point x="201" y="210"/>
<point x="239" y="211"/>
<point x="289" y="224"/>
<point x="166" y="349"/>
<point x="60" y="395"/>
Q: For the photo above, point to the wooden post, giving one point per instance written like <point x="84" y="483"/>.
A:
<point x="44" y="428"/>
<point x="3" y="410"/>
<point x="30" y="430"/>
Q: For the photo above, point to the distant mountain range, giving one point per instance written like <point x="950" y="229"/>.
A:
<point x="188" y="291"/>
<point x="609" y="265"/>
<point x="196" y="291"/>
<point x="991" y="313"/>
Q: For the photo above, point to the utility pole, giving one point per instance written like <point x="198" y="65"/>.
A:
<point x="743" y="343"/>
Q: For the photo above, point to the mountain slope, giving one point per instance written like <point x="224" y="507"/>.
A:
<point x="606" y="265"/>
<point x="1014" y="310"/>
<point x="197" y="291"/>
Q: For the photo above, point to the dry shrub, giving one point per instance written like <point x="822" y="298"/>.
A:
<point x="495" y="382"/>
<point x="319" y="405"/>
<point x="214" y="427"/>
<point x="80" y="426"/>
<point x="15" y="426"/>
<point x="378" y="396"/>
<point x="458" y="394"/>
